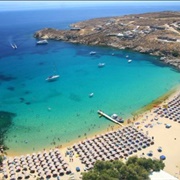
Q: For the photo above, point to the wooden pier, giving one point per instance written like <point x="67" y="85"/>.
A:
<point x="108" y="117"/>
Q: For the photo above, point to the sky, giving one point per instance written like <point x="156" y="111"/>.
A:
<point x="29" y="5"/>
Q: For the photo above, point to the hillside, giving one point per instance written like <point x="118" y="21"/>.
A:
<point x="153" y="33"/>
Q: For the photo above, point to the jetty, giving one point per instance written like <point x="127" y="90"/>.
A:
<point x="108" y="117"/>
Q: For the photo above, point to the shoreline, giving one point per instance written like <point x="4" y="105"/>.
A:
<point x="150" y="124"/>
<point x="149" y="33"/>
<point x="135" y="116"/>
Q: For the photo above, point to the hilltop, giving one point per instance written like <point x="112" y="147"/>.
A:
<point x="153" y="33"/>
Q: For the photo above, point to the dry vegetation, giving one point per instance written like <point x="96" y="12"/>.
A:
<point x="140" y="32"/>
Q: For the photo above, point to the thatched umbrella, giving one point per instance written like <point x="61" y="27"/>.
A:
<point x="18" y="168"/>
<point x="26" y="176"/>
<point x="13" y="177"/>
<point x="19" y="176"/>
<point x="31" y="165"/>
<point x="61" y="173"/>
<point x="24" y="167"/>
<point x="5" y="175"/>
<point x="89" y="166"/>
<point x="59" y="168"/>
<point x="68" y="171"/>
<point x="55" y="174"/>
<point x="65" y="166"/>
<point x="28" y="157"/>
<point x="39" y="153"/>
<point x="48" y="176"/>
<point x="32" y="170"/>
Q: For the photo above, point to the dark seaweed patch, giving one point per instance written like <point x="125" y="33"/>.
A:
<point x="6" y="77"/>
<point x="27" y="92"/>
<point x="41" y="63"/>
<point x="5" y="123"/>
<point x="75" y="97"/>
<point x="22" y="99"/>
<point x="27" y="103"/>
<point x="11" y="88"/>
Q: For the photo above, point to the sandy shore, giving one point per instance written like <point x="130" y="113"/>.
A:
<point x="168" y="139"/>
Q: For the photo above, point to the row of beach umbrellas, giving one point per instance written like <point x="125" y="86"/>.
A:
<point x="111" y="146"/>
<point x="44" y="164"/>
<point x="171" y="110"/>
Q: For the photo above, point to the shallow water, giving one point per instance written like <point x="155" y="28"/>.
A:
<point x="52" y="113"/>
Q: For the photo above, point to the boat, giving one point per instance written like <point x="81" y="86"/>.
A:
<point x="127" y="56"/>
<point x="101" y="65"/>
<point x="92" y="53"/>
<point x="52" y="78"/>
<point x="14" y="46"/>
<point x="129" y="61"/>
<point x="118" y="119"/>
<point x="41" y="42"/>
<point x="91" y="94"/>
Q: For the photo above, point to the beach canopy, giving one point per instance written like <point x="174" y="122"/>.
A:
<point x="162" y="157"/>
<point x="77" y="169"/>
<point x="168" y="125"/>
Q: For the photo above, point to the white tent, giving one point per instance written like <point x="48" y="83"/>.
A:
<point x="161" y="175"/>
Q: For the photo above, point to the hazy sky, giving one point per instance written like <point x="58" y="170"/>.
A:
<point x="27" y="5"/>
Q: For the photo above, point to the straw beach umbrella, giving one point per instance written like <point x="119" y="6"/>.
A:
<point x="61" y="173"/>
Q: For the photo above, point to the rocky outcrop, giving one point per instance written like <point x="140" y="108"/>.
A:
<point x="153" y="33"/>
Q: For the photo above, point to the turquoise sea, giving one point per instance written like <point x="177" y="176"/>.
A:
<point x="52" y="113"/>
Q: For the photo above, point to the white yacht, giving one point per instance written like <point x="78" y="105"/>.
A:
<point x="101" y="65"/>
<point x="91" y="94"/>
<point x="92" y="53"/>
<point x="129" y="61"/>
<point x="41" y="42"/>
<point x="52" y="78"/>
<point x="14" y="46"/>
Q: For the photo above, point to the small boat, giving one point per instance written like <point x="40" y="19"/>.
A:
<point x="112" y="54"/>
<point x="14" y="46"/>
<point x="127" y="56"/>
<point x="52" y="78"/>
<point x="114" y="116"/>
<point x="118" y="119"/>
<point x="101" y="65"/>
<point x="129" y="61"/>
<point x="92" y="53"/>
<point x="91" y="94"/>
<point x="41" y="42"/>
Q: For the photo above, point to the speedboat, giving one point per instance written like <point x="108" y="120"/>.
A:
<point x="129" y="61"/>
<point x="52" y="78"/>
<point x="114" y="116"/>
<point x="92" y="53"/>
<point x="118" y="119"/>
<point x="14" y="46"/>
<point x="91" y="94"/>
<point x="41" y="42"/>
<point x="101" y="65"/>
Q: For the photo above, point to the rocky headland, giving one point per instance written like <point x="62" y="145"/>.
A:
<point x="153" y="33"/>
